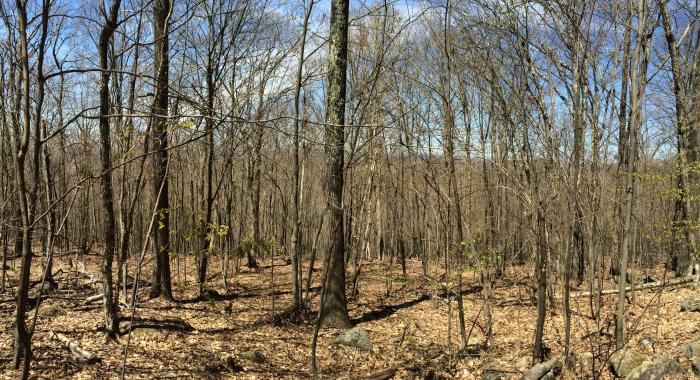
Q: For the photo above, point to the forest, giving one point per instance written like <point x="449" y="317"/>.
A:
<point x="337" y="189"/>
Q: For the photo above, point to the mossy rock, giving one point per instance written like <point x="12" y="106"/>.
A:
<point x="657" y="369"/>
<point x="690" y="305"/>
<point x="253" y="356"/>
<point x="692" y="349"/>
<point x="50" y="311"/>
<point x="145" y="332"/>
<point x="622" y="362"/>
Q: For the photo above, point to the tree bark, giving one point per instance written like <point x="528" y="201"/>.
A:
<point x="687" y="156"/>
<point x="296" y="204"/>
<point x="161" y="237"/>
<point x="334" y="309"/>
<point x="107" y="191"/>
<point x="637" y="83"/>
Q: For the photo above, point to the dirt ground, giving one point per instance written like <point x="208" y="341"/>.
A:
<point x="409" y="328"/>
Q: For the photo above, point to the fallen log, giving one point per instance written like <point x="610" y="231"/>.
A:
<point x="514" y="301"/>
<point x="650" y="285"/>
<point x="95" y="298"/>
<point x="77" y="351"/>
<point x="605" y="292"/>
<point x="388" y="373"/>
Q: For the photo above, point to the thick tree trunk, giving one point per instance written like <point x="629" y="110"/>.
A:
<point x="20" y="143"/>
<point x="687" y="156"/>
<point x="334" y="305"/>
<point x="161" y="237"/>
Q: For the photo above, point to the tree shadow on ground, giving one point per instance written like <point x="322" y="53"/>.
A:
<point x="388" y="310"/>
<point x="170" y="324"/>
<point x="212" y="296"/>
<point x="247" y="293"/>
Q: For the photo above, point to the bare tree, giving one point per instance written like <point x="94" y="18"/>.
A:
<point x="637" y="83"/>
<point x="334" y="304"/>
<point x="109" y="301"/>
<point x="688" y="147"/>
<point x="162" y="11"/>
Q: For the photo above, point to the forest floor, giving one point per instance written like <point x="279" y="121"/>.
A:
<point x="409" y="328"/>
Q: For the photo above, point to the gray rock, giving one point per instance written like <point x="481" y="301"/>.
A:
<point x="696" y="366"/>
<point x="692" y="349"/>
<point x="690" y="304"/>
<point x="622" y="362"/>
<point x="354" y="337"/>
<point x="649" y="342"/>
<point x="253" y="356"/>
<point x="660" y="368"/>
<point x="543" y="371"/>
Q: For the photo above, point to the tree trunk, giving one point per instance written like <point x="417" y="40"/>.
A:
<point x="296" y="203"/>
<point x="687" y="156"/>
<point x="637" y="83"/>
<point x="334" y="309"/>
<point x="205" y="237"/>
<point x="109" y="303"/>
<point x="161" y="237"/>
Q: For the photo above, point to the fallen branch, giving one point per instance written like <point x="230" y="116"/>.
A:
<point x="514" y="301"/>
<point x="384" y="374"/>
<point x="94" y="280"/>
<point x="650" y="285"/>
<point x="77" y="351"/>
<point x="389" y="373"/>
<point x="94" y="298"/>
